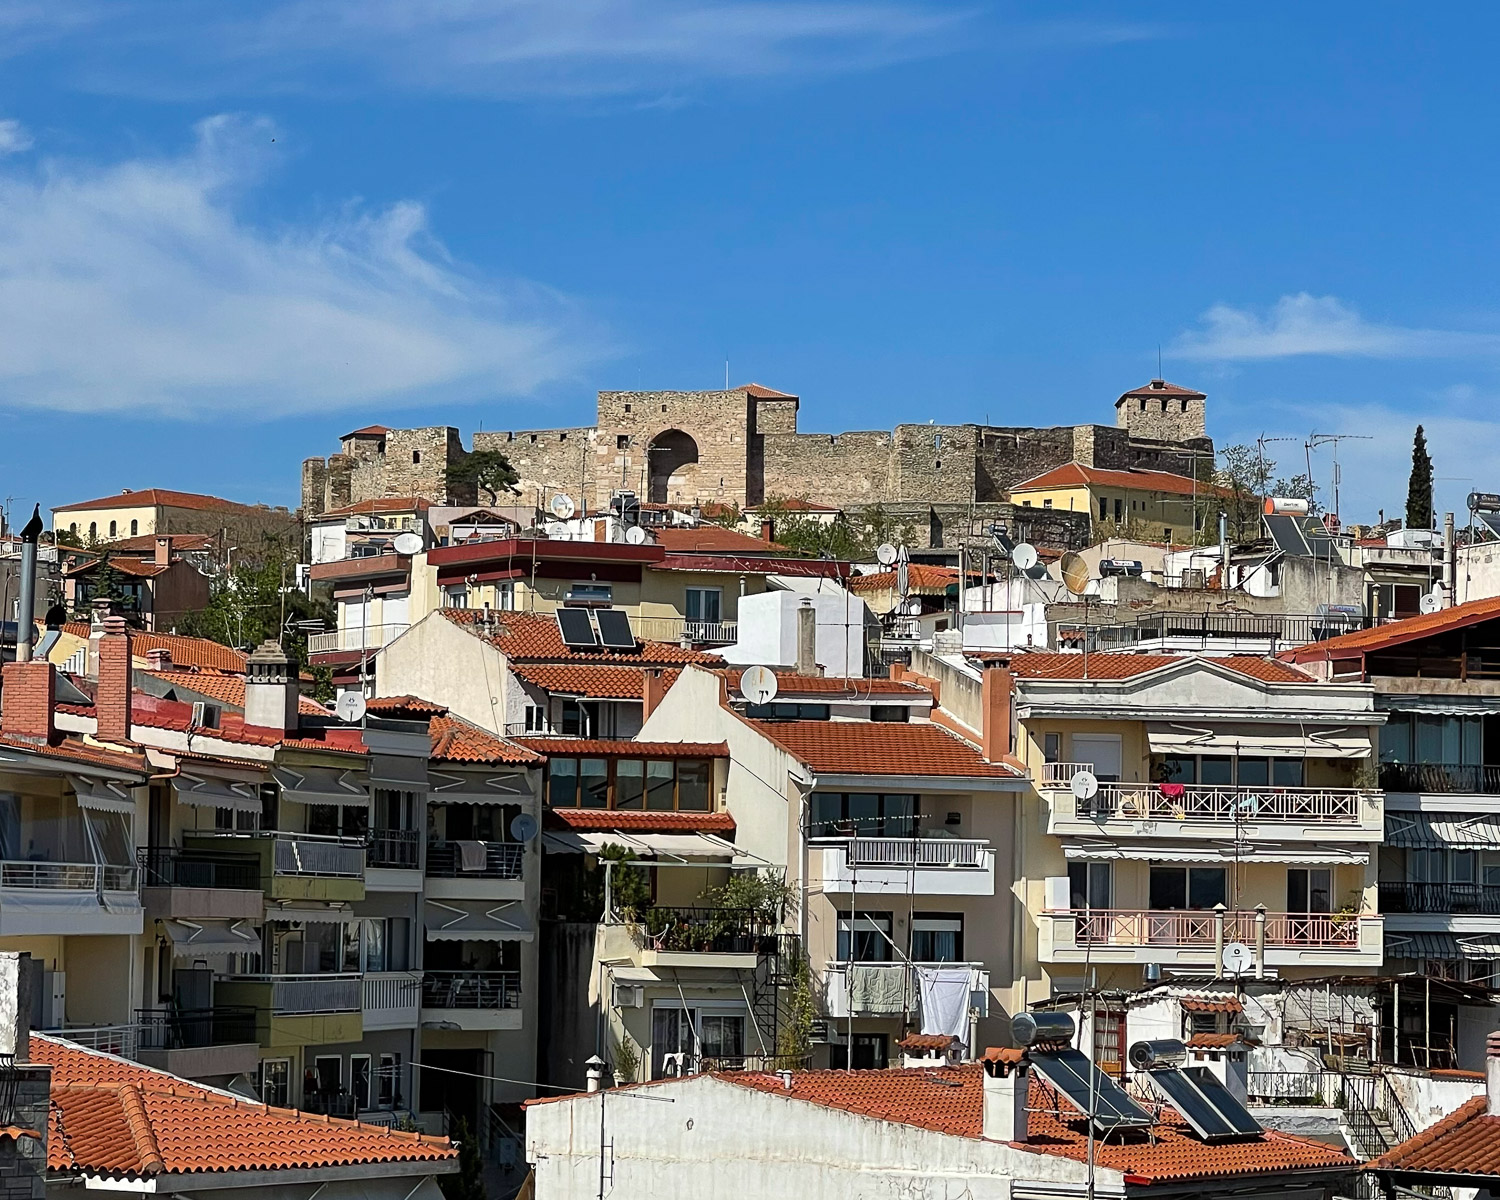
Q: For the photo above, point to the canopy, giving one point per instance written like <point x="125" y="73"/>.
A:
<point x="1442" y="830"/>
<point x="103" y="795"/>
<point x="671" y="845"/>
<point x="403" y="772"/>
<point x="1215" y="853"/>
<point x="1442" y="945"/>
<point x="204" y="791"/>
<point x="1256" y="741"/>
<point x="209" y="939"/>
<point x="332" y="914"/>
<point x="1448" y="706"/>
<point x="476" y="921"/>
<point x="323" y="785"/>
<point x="450" y="787"/>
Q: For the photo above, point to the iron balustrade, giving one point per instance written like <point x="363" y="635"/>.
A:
<point x="167" y="866"/>
<point x="68" y="877"/>
<point x="296" y="995"/>
<point x="1291" y="630"/>
<point x="188" y="1028"/>
<point x="302" y="853"/>
<point x="1285" y="1087"/>
<point x="1447" y="778"/>
<point x="1060" y="774"/>
<point x="676" y="629"/>
<point x="1198" y="927"/>
<point x="916" y="852"/>
<point x="502" y="860"/>
<point x="471" y="989"/>
<point x="705" y="930"/>
<point x="398" y="848"/>
<point x="1397" y="897"/>
<point x="1224" y="804"/>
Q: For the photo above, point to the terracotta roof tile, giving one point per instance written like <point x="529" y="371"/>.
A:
<point x="1160" y="387"/>
<point x="75" y="750"/>
<point x="111" y="1117"/>
<point x="789" y="683"/>
<point x="535" y="636"/>
<point x="457" y="740"/>
<point x="185" y="651"/>
<point x="1396" y="633"/>
<point x="383" y="504"/>
<point x="880" y="748"/>
<point x="601" y="747"/>
<point x="920" y="577"/>
<point x="1216" y="1004"/>
<point x="589" y="679"/>
<point x="404" y="705"/>
<point x="926" y="1041"/>
<point x="226" y="689"/>
<point x="152" y="498"/>
<point x="367" y="431"/>
<point x="599" y="820"/>
<point x="1218" y="1041"/>
<point x="713" y="539"/>
<point x="1465" y="1142"/>
<point x="1127" y="666"/>
<point x="1077" y="475"/>
<point x="146" y="543"/>
<point x="761" y="392"/>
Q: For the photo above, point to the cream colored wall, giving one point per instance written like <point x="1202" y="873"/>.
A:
<point x="664" y="593"/>
<point x="1158" y="511"/>
<point x="145" y="517"/>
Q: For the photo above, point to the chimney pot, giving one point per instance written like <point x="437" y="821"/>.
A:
<point x="1007" y="1080"/>
<point x="270" y="689"/>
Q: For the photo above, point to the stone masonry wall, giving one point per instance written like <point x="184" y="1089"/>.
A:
<point x="850" y="470"/>
<point x="1164" y="418"/>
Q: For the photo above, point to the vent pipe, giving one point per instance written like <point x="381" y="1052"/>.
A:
<point x="26" y="613"/>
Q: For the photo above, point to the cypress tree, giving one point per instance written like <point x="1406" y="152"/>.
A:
<point x="1419" y="488"/>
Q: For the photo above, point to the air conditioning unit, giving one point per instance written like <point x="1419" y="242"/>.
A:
<point x="629" y="996"/>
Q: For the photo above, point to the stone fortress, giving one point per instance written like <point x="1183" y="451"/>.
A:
<point x="743" y="447"/>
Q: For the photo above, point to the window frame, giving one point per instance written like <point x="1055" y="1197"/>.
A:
<point x="612" y="787"/>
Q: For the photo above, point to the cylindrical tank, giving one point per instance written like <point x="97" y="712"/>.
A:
<point x="1165" y="1052"/>
<point x="1028" y="1028"/>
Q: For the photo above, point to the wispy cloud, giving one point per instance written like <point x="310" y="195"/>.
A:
<point x="13" y="137"/>
<point x="138" y="286"/>
<point x="1303" y="325"/>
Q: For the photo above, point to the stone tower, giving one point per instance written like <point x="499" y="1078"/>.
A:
<point x="1163" y="412"/>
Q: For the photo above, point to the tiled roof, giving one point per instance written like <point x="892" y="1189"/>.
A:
<point x="154" y="712"/>
<point x="588" y="679"/>
<point x="1408" y="629"/>
<point x="601" y="747"/>
<point x="926" y="1041"/>
<point x="599" y="820"/>
<point x="114" y="1118"/>
<point x="153" y="498"/>
<point x="1127" y="666"/>
<point x="1160" y="387"/>
<point x="384" y="504"/>
<point x="185" y="651"/>
<point x="125" y="566"/>
<point x="789" y="683"/>
<point x="920" y="577"/>
<point x="226" y="689"/>
<point x="75" y="750"/>
<point x="1077" y="475"/>
<point x="146" y="543"/>
<point x="713" y="539"/>
<point x="1465" y="1142"/>
<point x="457" y="740"/>
<point x="880" y="748"/>
<point x="950" y="1100"/>
<point x="535" y="636"/>
<point x="1218" y="1041"/>
<point x="1216" y="1004"/>
<point x="403" y="705"/>
<point x="367" y="431"/>
<point x="760" y="392"/>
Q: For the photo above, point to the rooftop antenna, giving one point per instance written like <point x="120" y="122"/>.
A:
<point x="1158" y="360"/>
<point x="1333" y="439"/>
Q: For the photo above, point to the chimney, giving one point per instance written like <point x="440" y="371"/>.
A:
<point x="1450" y="562"/>
<point x="270" y="689"/>
<point x="100" y="612"/>
<point x="163" y="549"/>
<point x="653" y="692"/>
<point x="27" y="699"/>
<point x="26" y="611"/>
<point x="1006" y="1080"/>
<point x="160" y="658"/>
<point x="997" y="692"/>
<point x="767" y="530"/>
<point x="1492" y="1073"/>
<point x="807" y="639"/>
<point x="112" y="694"/>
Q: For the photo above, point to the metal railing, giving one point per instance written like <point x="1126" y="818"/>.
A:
<point x="675" y="629"/>
<point x="1287" y="630"/>
<point x="1398" y="897"/>
<point x="471" y="989"/>
<point x="68" y="877"/>
<point x="293" y="995"/>
<point x="187" y="1028"/>
<point x="123" y="1041"/>
<point x="307" y="855"/>
<point x="688" y="1063"/>
<point x="1224" y="805"/>
<point x="399" y="848"/>
<point x="1286" y="1087"/>
<point x="369" y="637"/>
<point x="704" y="930"/>
<point x="1440" y="777"/>
<point x="390" y="991"/>
<point x="166" y="866"/>
<point x="502" y="860"/>
<point x="915" y="852"/>
<point x="1060" y="774"/>
<point x="1197" y="927"/>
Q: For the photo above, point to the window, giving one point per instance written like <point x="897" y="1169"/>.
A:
<point x="580" y="718"/>
<point x="630" y="783"/>
<point x="275" y="1082"/>
<point x="788" y="711"/>
<point x="657" y="784"/>
<point x="1051" y="747"/>
<point x="1143" y="404"/>
<point x="863" y="814"/>
<point x="890" y="712"/>
<point x="937" y="937"/>
<point x="693" y="781"/>
<point x="703" y="605"/>
<point x="1204" y="1022"/>
<point x="1222" y="771"/>
<point x="416" y="457"/>
<point x="593" y="782"/>
<point x="111" y="529"/>
<point x="562" y="782"/>
<point x="1103" y="508"/>
<point x="1309" y="890"/>
<point x="1166" y="535"/>
<point x="359" y="1081"/>
<point x="872" y="938"/>
<point x="1164" y="406"/>
<point x="73" y="527"/>
<point x="456" y="596"/>
<point x="93" y="530"/>
<point x="135" y="528"/>
<point x="622" y="441"/>
<point x="1104" y="751"/>
<point x="871" y="1053"/>
<point x="390" y="1081"/>
<point x="1184" y="406"/>
<point x="1119" y="509"/>
<point x="322" y="1084"/>
<point x="1090" y="885"/>
<point x="1176" y="888"/>
<point x="536" y="719"/>
<point x="722" y="1035"/>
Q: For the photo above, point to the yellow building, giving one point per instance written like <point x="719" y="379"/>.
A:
<point x="1155" y="505"/>
<point x="154" y="510"/>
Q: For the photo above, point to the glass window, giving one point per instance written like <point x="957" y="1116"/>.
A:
<point x="375" y="945"/>
<point x="630" y="783"/>
<point x="1052" y="746"/>
<point x="899" y="815"/>
<point x="562" y="783"/>
<point x="1206" y="887"/>
<point x="1090" y="885"/>
<point x="275" y="1077"/>
<point x="1286" y="772"/>
<point x="1309" y="890"/>
<point x="1168" y="888"/>
<point x="721" y="1035"/>
<point x="390" y="1080"/>
<point x="1461" y="866"/>
<point x="703" y="604"/>
<point x="660" y="778"/>
<point x="863" y="812"/>
<point x="694" y="780"/>
<point x="398" y="943"/>
<point x="872" y="937"/>
<point x="110" y="836"/>
<point x="788" y="711"/>
<point x="593" y="782"/>
<point x="937" y="937"/>
<point x="827" y="812"/>
<point x="1179" y="768"/>
<point x="1254" y="772"/>
<point x="1216" y="770"/>
<point x="1396" y="739"/>
<point x="359" y="1081"/>
<point x="890" y="712"/>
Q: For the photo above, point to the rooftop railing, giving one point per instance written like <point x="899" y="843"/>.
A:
<point x="1440" y="777"/>
<point x="471" y="989"/>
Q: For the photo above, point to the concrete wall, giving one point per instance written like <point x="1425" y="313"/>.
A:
<point x="767" y="631"/>
<point x="437" y="661"/>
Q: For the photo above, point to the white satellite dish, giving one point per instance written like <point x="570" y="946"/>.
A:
<point x="885" y="554"/>
<point x="758" y="684"/>
<point x="1431" y="602"/>
<point x="408" y="544"/>
<point x="1024" y="556"/>
<point x="635" y="535"/>
<point x="555" y="529"/>
<point x="350" y="708"/>
<point x="562" y="506"/>
<point x="524" y="827"/>
<point x="1237" y="958"/>
<point x="1085" y="785"/>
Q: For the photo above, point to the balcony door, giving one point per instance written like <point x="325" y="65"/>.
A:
<point x="1178" y="888"/>
<point x="1090" y="885"/>
<point x="1309" y="890"/>
<point x="1103" y="751"/>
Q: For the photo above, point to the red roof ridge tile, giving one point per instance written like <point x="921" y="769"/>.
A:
<point x="1472" y="1109"/>
<point x="147" y="1151"/>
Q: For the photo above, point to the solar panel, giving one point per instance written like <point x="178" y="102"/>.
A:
<point x="1491" y="521"/>
<point x="1319" y="541"/>
<point x="1205" y="1103"/>
<point x="576" y="628"/>
<point x="614" y="629"/>
<point x="1070" y="1072"/>
<point x="1288" y="536"/>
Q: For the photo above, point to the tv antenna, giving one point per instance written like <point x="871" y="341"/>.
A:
<point x="1333" y="439"/>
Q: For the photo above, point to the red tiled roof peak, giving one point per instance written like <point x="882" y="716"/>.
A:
<point x="1074" y="474"/>
<point x="1396" y="633"/>
<point x="155" y="498"/>
<point x="1160" y="387"/>
<point x="535" y="636"/>
<point x="1127" y="666"/>
<point x="880" y="748"/>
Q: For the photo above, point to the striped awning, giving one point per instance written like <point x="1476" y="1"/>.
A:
<point x="1442" y="945"/>
<point x="1215" y="853"/>
<point x="1442" y="830"/>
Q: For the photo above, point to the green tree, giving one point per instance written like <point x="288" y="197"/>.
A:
<point x="849" y="537"/>
<point x="468" y="1183"/>
<point x="258" y="601"/>
<point x="109" y="584"/>
<point x="1244" y="477"/>
<point x="489" y="471"/>
<point x="1419" y="485"/>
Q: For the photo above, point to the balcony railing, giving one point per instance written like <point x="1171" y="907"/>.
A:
<point x="1224" y="805"/>
<point x="396" y="848"/>
<point x="295" y="995"/>
<point x="502" y="860"/>
<point x="687" y="1063"/>
<point x="386" y="991"/>
<point x="189" y="1028"/>
<point x="916" y="852"/>
<point x="368" y="637"/>
<point x="1440" y="777"/>
<point x="1478" y="898"/>
<point x="1060" y="774"/>
<point x="471" y="989"/>
<point x="704" y="931"/>
<point x="68" y="877"/>
<point x="303" y="854"/>
<point x="166" y="866"/>
<point x="675" y="629"/>
<point x="1197" y="927"/>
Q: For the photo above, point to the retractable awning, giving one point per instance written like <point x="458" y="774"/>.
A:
<point x="1254" y="741"/>
<point x="323" y="785"/>
<point x="209" y="939"/>
<point x="452" y="787"/>
<point x="1442" y="831"/>
<point x="330" y="914"/>
<point x="644" y="845"/>
<point x="1447" y="706"/>
<point x="1216" y="854"/>
<point x="103" y="795"/>
<point x="476" y="921"/>
<point x="1442" y="945"/>
<point x="399" y="771"/>
<point x="205" y="791"/>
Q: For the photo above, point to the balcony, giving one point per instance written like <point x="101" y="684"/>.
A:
<point x="295" y="866"/>
<point x="924" y="866"/>
<point x="472" y="999"/>
<point x="394" y="849"/>
<point x="200" y="885"/>
<point x="391" y="999"/>
<point x="199" y="1042"/>
<point x="720" y="938"/>
<point x="491" y="870"/>
<point x="1443" y="899"/>
<point x="298" y="1009"/>
<point x="888" y="989"/>
<point x="1192" y="937"/>
<point x="69" y="898"/>
<point x="366" y="637"/>
<point x="1440" y="778"/>
<point x="676" y="629"/>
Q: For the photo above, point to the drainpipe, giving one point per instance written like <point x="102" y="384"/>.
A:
<point x="1223" y="552"/>
<point x="25" y="613"/>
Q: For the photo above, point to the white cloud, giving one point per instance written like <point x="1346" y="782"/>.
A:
<point x="138" y="287"/>
<point x="1304" y="324"/>
<point x="13" y="137"/>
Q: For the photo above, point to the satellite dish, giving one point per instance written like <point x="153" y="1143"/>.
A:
<point x="350" y="708"/>
<point x="1075" y="573"/>
<point x="555" y="529"/>
<point x="1085" y="785"/>
<point x="885" y="554"/>
<point x="1431" y="602"/>
<point x="1024" y="556"/>
<point x="523" y="827"/>
<point x="562" y="506"/>
<point x="914" y="607"/>
<point x="408" y="544"/>
<point x="1237" y="958"/>
<point x="635" y="535"/>
<point x="758" y="684"/>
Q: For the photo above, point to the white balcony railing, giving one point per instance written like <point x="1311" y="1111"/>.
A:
<point x="1225" y="805"/>
<point x="675" y="629"/>
<point x="391" y="999"/>
<point x="916" y="852"/>
<point x="367" y="637"/>
<point x="308" y="855"/>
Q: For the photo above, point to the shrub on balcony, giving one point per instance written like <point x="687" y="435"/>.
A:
<point x="765" y="895"/>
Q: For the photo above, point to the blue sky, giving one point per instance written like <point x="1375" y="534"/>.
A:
<point x="230" y="232"/>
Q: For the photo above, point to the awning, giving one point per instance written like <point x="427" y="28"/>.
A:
<point x="209" y="939"/>
<point x="332" y="914"/>
<point x="1255" y="741"/>
<point x="1442" y="945"/>
<point x="1214" y="853"/>
<point x="323" y="785"/>
<point x="399" y="771"/>
<point x="1442" y="831"/>
<point x="1448" y="706"/>
<point x="480" y="787"/>
<point x="103" y="795"/>
<point x="476" y="921"/>
<point x="644" y="845"/>
<point x="204" y="791"/>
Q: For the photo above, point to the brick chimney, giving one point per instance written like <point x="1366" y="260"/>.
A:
<point x="1007" y="1077"/>
<point x="653" y="691"/>
<point x="163" y="549"/>
<point x="767" y="530"/>
<point x="112" y="694"/>
<point x="270" y="689"/>
<point x="997" y="693"/>
<point x="27" y="698"/>
<point x="1492" y="1072"/>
